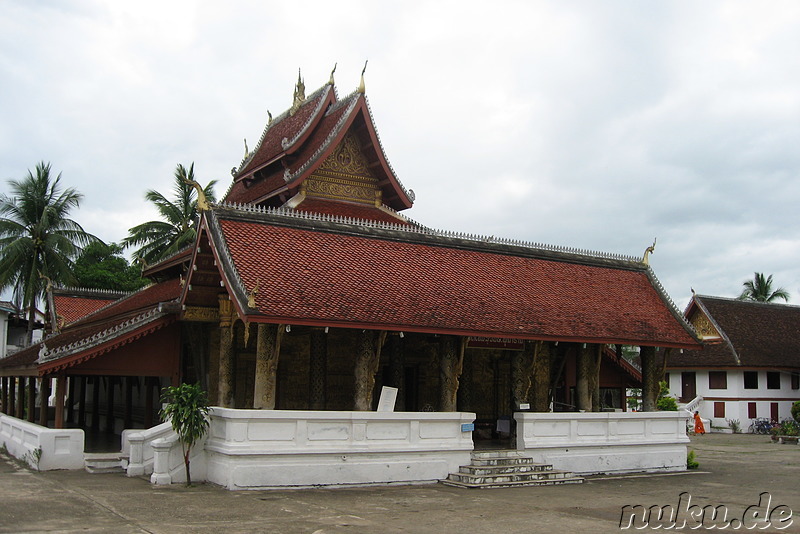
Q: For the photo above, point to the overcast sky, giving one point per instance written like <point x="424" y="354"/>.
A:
<point x="589" y="124"/>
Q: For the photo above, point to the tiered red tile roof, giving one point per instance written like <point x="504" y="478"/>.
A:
<point x="755" y="334"/>
<point x="360" y="277"/>
<point x="294" y="145"/>
<point x="139" y="309"/>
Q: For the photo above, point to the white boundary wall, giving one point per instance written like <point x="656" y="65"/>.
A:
<point x="61" y="449"/>
<point x="256" y="449"/>
<point x="605" y="442"/>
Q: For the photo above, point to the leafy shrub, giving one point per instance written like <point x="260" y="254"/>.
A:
<point x="691" y="463"/>
<point x="734" y="425"/>
<point x="796" y="410"/>
<point x="667" y="404"/>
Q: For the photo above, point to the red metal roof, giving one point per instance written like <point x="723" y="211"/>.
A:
<point x="360" y="279"/>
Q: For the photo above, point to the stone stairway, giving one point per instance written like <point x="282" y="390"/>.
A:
<point x="505" y="469"/>
<point x="105" y="462"/>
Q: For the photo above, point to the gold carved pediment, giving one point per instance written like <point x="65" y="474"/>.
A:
<point x="201" y="314"/>
<point x="345" y="175"/>
<point x="704" y="327"/>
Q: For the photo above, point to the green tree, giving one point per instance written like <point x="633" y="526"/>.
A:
<point x="37" y="237"/>
<point x="186" y="407"/>
<point x="158" y="239"/>
<point x="760" y="289"/>
<point x="102" y="266"/>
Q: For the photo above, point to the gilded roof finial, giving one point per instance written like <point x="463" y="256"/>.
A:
<point x="361" y="87"/>
<point x="202" y="203"/>
<point x="334" y="70"/>
<point x="299" y="94"/>
<point x="649" y="250"/>
<point x="251" y="295"/>
<point x="246" y="150"/>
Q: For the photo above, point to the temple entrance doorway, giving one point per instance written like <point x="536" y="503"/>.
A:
<point x="486" y="389"/>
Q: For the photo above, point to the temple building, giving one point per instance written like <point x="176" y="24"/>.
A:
<point x="309" y="289"/>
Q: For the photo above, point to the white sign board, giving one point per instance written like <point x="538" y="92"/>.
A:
<point x="387" y="400"/>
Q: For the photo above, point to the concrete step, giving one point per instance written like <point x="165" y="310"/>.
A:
<point x="502" y="478"/>
<point x="517" y="484"/>
<point x="504" y="469"/>
<point x="501" y="469"/>
<point x="104" y="462"/>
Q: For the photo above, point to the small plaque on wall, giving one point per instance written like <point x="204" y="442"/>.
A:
<point x="468" y="427"/>
<point x="388" y="399"/>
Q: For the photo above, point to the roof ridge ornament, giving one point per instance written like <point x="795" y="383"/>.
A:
<point x="246" y="150"/>
<point x="361" y="87"/>
<point x="299" y="94"/>
<point x="649" y="250"/>
<point x="202" y="203"/>
<point x="330" y="80"/>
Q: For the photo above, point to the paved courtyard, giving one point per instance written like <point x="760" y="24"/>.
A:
<point x="734" y="471"/>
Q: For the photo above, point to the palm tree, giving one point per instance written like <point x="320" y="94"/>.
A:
<point x="760" y="289"/>
<point x="159" y="239"/>
<point x="38" y="240"/>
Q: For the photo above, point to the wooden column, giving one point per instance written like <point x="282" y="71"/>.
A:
<point x="522" y="373"/>
<point x="31" y="399"/>
<point x="451" y="364"/>
<point x="226" y="371"/>
<point x="20" y="412"/>
<point x="44" y="394"/>
<point x="149" y="386"/>
<point x="12" y="396"/>
<point x="366" y="366"/>
<point x="318" y="370"/>
<point x="582" y="368"/>
<point x="268" y="348"/>
<point x="70" y="399"/>
<point x="127" y="414"/>
<point x="540" y="398"/>
<point x="4" y="393"/>
<point x="595" y="358"/>
<point x="82" y="402"/>
<point x="110" y="405"/>
<point x="96" y="403"/>
<point x="650" y="378"/>
<point x="61" y="393"/>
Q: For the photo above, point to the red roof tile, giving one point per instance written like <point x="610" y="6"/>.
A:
<point x="756" y="334"/>
<point x="322" y="277"/>
<point x="72" y="307"/>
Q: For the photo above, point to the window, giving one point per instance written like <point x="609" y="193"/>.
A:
<point x="795" y="380"/>
<point x="751" y="380"/>
<point x="717" y="380"/>
<point x="773" y="380"/>
<point x="751" y="410"/>
<point x="719" y="410"/>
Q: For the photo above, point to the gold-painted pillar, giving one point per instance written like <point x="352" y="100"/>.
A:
<point x="595" y="358"/>
<point x="650" y="378"/>
<point x="366" y="366"/>
<point x="582" y="368"/>
<point x="71" y="399"/>
<point x="451" y="364"/>
<point x="268" y="348"/>
<point x="4" y="393"/>
<point x="540" y="398"/>
<point x="522" y="373"/>
<point x="110" y="405"/>
<point x="226" y="371"/>
<point x="82" y="402"/>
